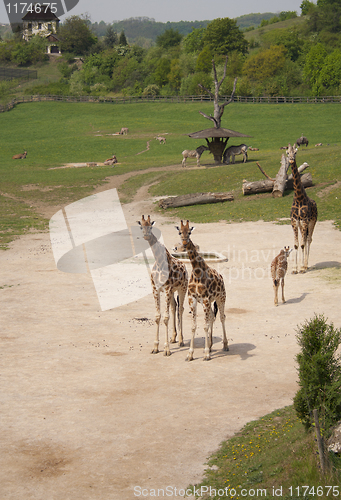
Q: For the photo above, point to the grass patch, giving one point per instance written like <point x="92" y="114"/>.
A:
<point x="271" y="454"/>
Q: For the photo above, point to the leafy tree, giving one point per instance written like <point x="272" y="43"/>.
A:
<point x="314" y="62"/>
<point x="170" y="38"/>
<point x="193" y="42"/>
<point x="162" y="71"/>
<point x="175" y="74"/>
<point x="204" y="60"/>
<point x="190" y="84"/>
<point x="76" y="36"/>
<point x="265" y="64"/>
<point x="289" y="14"/>
<point x="289" y="38"/>
<point x="223" y="36"/>
<point x="122" y="39"/>
<point x="319" y="372"/>
<point x="330" y="74"/>
<point x="151" y="90"/>
<point x="110" y="39"/>
<point x="306" y="6"/>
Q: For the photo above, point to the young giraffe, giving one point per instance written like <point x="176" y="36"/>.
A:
<point x="303" y="213"/>
<point x="168" y="275"/>
<point x="205" y="286"/>
<point x="279" y="268"/>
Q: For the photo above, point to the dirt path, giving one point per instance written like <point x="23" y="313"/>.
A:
<point x="89" y="413"/>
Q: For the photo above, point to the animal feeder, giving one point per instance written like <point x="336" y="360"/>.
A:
<point x="208" y="256"/>
<point x="219" y="137"/>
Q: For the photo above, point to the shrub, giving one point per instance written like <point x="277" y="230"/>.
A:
<point x="319" y="373"/>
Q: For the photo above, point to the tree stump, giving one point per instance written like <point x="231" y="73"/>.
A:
<point x="281" y="178"/>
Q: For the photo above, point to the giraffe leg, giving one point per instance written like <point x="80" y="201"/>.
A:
<point x="221" y="309"/>
<point x="173" y="308"/>
<point x="181" y="296"/>
<point x="208" y="325"/>
<point x="282" y="283"/>
<point x="311" y="228"/>
<point x="295" y="229"/>
<point x="169" y="300"/>
<point x="156" y="294"/>
<point x="276" y="285"/>
<point x="193" y="307"/>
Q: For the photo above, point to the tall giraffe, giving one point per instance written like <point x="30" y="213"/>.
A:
<point x="303" y="214"/>
<point x="168" y="275"/>
<point x="279" y="267"/>
<point x="205" y="286"/>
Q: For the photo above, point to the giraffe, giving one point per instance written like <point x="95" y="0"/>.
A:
<point x="168" y="275"/>
<point x="279" y="267"/>
<point x="205" y="286"/>
<point x="303" y="214"/>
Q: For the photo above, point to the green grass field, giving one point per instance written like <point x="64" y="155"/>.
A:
<point x="57" y="133"/>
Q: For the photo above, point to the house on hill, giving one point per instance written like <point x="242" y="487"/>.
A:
<point x="45" y="24"/>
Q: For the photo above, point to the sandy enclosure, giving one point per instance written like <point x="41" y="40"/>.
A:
<point x="88" y="413"/>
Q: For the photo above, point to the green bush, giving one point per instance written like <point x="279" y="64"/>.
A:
<point x="319" y="373"/>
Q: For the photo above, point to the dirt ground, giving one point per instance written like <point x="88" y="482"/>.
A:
<point x="88" y="413"/>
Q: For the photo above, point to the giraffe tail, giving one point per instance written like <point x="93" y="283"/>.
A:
<point x="276" y="282"/>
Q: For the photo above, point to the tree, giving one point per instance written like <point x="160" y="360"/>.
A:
<point x="110" y="38"/>
<point x="330" y="74"/>
<point x="223" y="36"/>
<point x="170" y="38"/>
<point x="193" y="41"/>
<point x="305" y="7"/>
<point x="313" y="65"/>
<point x="319" y="372"/>
<point x="204" y="61"/>
<point x="218" y="108"/>
<point x="162" y="71"/>
<point x="265" y="64"/>
<point x="122" y="40"/>
<point x="76" y="36"/>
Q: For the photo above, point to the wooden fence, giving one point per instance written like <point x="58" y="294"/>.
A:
<point x="178" y="99"/>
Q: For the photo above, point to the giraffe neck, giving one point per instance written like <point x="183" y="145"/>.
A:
<point x="298" y="188"/>
<point x="160" y="252"/>
<point x="196" y="260"/>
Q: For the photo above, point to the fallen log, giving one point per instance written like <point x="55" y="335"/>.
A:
<point x="195" y="199"/>
<point x="266" y="186"/>
<point x="306" y="179"/>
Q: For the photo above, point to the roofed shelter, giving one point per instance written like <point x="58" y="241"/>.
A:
<point x="219" y="137"/>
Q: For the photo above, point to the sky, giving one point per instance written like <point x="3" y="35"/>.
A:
<point x="167" y="10"/>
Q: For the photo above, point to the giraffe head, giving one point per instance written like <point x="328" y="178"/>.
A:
<point x="147" y="227"/>
<point x="185" y="232"/>
<point x="286" y="251"/>
<point x="291" y="152"/>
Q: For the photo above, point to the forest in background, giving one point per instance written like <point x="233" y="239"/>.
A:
<point x="283" y="55"/>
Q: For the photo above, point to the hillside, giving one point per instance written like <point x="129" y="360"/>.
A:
<point x="137" y="28"/>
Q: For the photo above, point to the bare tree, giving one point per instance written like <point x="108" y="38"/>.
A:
<point x="218" y="108"/>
